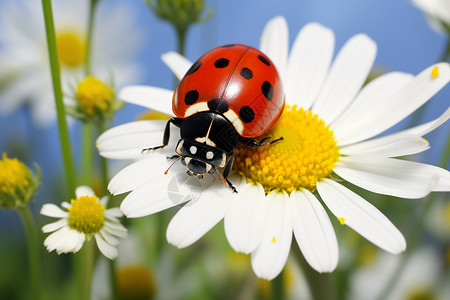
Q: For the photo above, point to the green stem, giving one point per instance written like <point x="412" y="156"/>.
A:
<point x="446" y="54"/>
<point x="87" y="265"/>
<point x="57" y="90"/>
<point x="416" y="231"/>
<point x="101" y="127"/>
<point x="320" y="285"/>
<point x="278" y="287"/>
<point x="33" y="250"/>
<point x="104" y="173"/>
<point x="87" y="154"/>
<point x="181" y="35"/>
<point x="113" y="280"/>
<point x="90" y="30"/>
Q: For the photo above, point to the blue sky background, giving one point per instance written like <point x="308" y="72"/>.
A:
<point x="405" y="42"/>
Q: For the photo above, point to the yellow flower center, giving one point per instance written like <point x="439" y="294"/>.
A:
<point x="93" y="95"/>
<point x="307" y="153"/>
<point x="135" y="282"/>
<point x="13" y="174"/>
<point x="86" y="214"/>
<point x="71" y="48"/>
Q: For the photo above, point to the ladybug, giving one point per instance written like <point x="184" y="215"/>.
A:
<point x="230" y="95"/>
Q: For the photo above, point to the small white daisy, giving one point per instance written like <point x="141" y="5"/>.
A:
<point x="437" y="13"/>
<point x="419" y="279"/>
<point x="327" y="126"/>
<point x="86" y="217"/>
<point x="23" y="51"/>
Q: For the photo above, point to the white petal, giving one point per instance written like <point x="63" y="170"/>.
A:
<point x="197" y="217"/>
<point x="54" y="226"/>
<point x="109" y="238"/>
<point x="158" y="194"/>
<point x="64" y="240"/>
<point x="245" y="217"/>
<point x="426" y="128"/>
<point x="313" y="231"/>
<point x="274" y="43"/>
<point x="393" y="177"/>
<point x="113" y="212"/>
<point x="372" y="96"/>
<point x="127" y="141"/>
<point x="105" y="248"/>
<point x="362" y="216"/>
<point x="177" y="63"/>
<point x="148" y="96"/>
<point x="115" y="228"/>
<point x="308" y="65"/>
<point x="401" y="143"/>
<point x="398" y="106"/>
<point x="346" y="77"/>
<point x="270" y="257"/>
<point x="66" y="204"/>
<point x="388" y="146"/>
<point x="83" y="191"/>
<point x="51" y="210"/>
<point x="138" y="173"/>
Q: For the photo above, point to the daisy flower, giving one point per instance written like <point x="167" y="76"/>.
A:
<point x="86" y="217"/>
<point x="328" y="126"/>
<point x="437" y="12"/>
<point x="24" y="54"/>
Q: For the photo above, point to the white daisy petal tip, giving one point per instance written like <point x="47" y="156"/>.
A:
<point x="177" y="63"/>
<point x="51" y="210"/>
<point x="314" y="232"/>
<point x="84" y="191"/>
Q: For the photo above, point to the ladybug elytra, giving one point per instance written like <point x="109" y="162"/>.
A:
<point x="230" y="95"/>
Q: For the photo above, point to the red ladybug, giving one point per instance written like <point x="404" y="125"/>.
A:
<point x="231" y="95"/>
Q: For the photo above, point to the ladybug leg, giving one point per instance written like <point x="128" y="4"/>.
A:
<point x="173" y="156"/>
<point x="277" y="140"/>
<point x="227" y="171"/>
<point x="175" y="121"/>
<point x="253" y="143"/>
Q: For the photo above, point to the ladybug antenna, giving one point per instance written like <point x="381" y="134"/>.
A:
<point x="178" y="159"/>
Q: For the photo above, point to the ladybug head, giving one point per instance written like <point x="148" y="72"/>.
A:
<point x="200" y="158"/>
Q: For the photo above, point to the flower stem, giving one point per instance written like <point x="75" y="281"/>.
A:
<point x="90" y="30"/>
<point x="278" y="287"/>
<point x="101" y="127"/>
<point x="33" y="250"/>
<point x="320" y="285"/>
<point x="446" y="54"/>
<point x="87" y="265"/>
<point x="57" y="90"/>
<point x="87" y="154"/>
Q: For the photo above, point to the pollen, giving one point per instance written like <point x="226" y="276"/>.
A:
<point x="13" y="175"/>
<point x="86" y="214"/>
<point x="274" y="239"/>
<point x="435" y="72"/>
<point x="71" y="48"/>
<point x="307" y="153"/>
<point x="93" y="95"/>
<point x="341" y="220"/>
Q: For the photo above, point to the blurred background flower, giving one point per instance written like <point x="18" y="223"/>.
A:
<point x="25" y="79"/>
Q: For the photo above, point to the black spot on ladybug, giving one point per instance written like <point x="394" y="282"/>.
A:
<point x="218" y="105"/>
<point x="194" y="68"/>
<point x="221" y="63"/>
<point x="228" y="46"/>
<point x="246" y="73"/>
<point x="264" y="60"/>
<point x="267" y="90"/>
<point x="246" y="114"/>
<point x="191" y="97"/>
